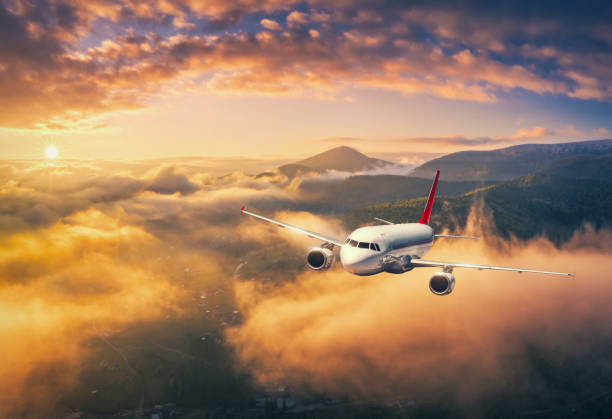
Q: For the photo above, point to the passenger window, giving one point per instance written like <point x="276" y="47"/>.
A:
<point x="353" y="243"/>
<point x="364" y="245"/>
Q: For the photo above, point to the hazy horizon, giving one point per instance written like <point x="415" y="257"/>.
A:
<point x="135" y="80"/>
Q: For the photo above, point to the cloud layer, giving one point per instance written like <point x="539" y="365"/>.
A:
<point x="388" y="339"/>
<point x="86" y="254"/>
<point x="89" y="258"/>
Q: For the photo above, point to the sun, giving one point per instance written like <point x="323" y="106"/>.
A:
<point x="51" y="152"/>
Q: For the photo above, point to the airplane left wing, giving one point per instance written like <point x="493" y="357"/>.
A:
<point x="451" y="236"/>
<point x="433" y="263"/>
<point x="294" y="228"/>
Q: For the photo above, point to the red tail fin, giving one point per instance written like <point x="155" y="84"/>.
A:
<point x="427" y="212"/>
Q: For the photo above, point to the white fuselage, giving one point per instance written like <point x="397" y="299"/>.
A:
<point x="365" y="248"/>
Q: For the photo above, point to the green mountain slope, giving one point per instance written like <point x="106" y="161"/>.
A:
<point x="342" y="159"/>
<point x="583" y="167"/>
<point x="508" y="163"/>
<point x="553" y="202"/>
<point x="358" y="191"/>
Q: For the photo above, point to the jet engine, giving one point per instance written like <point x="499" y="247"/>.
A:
<point x="442" y="283"/>
<point x="320" y="258"/>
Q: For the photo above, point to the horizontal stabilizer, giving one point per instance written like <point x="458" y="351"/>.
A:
<point x="383" y="221"/>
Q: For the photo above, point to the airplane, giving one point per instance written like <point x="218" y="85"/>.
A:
<point x="390" y="247"/>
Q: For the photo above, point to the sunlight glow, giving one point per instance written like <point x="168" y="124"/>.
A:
<point x="51" y="152"/>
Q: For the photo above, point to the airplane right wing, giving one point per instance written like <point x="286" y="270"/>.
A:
<point x="433" y="263"/>
<point x="294" y="228"/>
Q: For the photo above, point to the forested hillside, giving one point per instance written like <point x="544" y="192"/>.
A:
<point x="553" y="202"/>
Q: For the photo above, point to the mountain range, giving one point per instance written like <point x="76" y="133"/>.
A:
<point x="528" y="190"/>
<point x="553" y="202"/>
<point x="508" y="163"/>
<point x="344" y="179"/>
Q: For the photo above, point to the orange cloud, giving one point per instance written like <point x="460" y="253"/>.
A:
<point x="270" y="24"/>
<point x="65" y="284"/>
<point x="297" y="18"/>
<point x="89" y="254"/>
<point x="527" y="133"/>
<point x="570" y="131"/>
<point x="602" y="132"/>
<point x="50" y="81"/>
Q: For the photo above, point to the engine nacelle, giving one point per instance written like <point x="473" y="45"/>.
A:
<point x="442" y="283"/>
<point x="320" y="258"/>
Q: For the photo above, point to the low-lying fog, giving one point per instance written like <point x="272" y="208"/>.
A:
<point x="87" y="254"/>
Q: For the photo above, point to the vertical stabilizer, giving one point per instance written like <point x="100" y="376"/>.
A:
<point x="427" y="211"/>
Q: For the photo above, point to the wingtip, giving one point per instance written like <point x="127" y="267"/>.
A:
<point x="242" y="209"/>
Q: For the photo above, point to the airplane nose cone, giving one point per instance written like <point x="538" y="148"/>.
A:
<point x="349" y="258"/>
<point x="359" y="261"/>
<point x="344" y="256"/>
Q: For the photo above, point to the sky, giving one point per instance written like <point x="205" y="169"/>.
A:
<point x="130" y="80"/>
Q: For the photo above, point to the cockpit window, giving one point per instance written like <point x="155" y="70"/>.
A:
<point x="347" y="240"/>
<point x="363" y="245"/>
